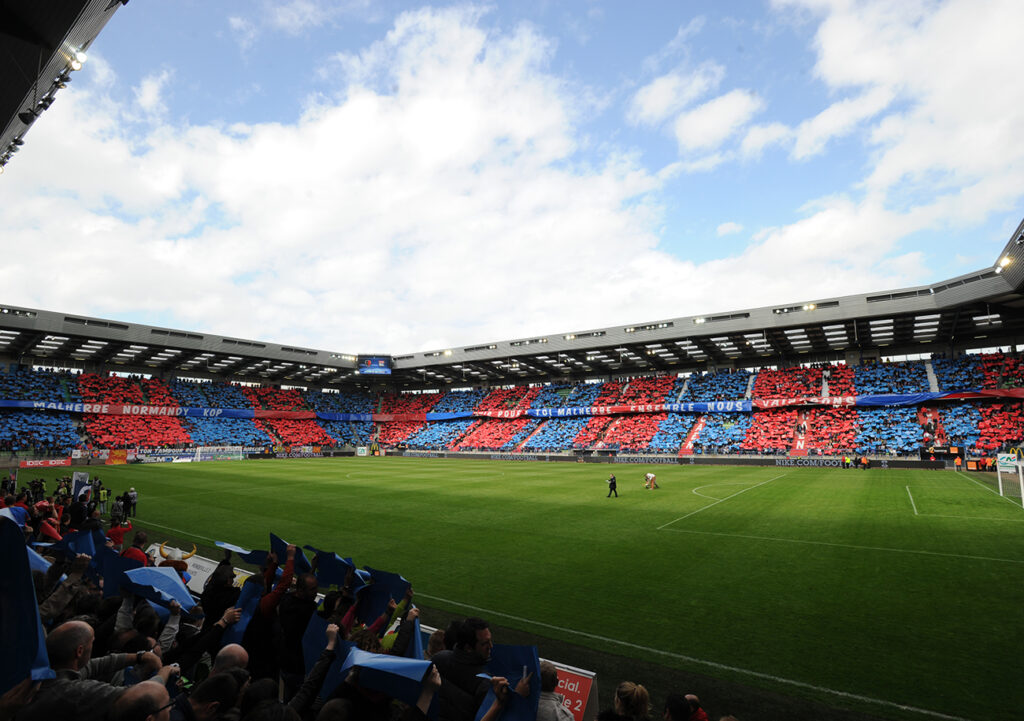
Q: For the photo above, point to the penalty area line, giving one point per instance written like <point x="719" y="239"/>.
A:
<point x="914" y="505"/>
<point x="704" y="508"/>
<point x="703" y="662"/>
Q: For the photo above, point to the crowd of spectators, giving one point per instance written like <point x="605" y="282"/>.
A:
<point x="29" y="385"/>
<point x="43" y="433"/>
<point x="442" y="434"/>
<point x="672" y="432"/>
<point x="55" y="433"/>
<point x="959" y="374"/>
<point x="788" y="383"/>
<point x="723" y="385"/>
<point x="633" y="432"/>
<point x="723" y="433"/>
<point x="555" y="434"/>
<point x="498" y="435"/>
<point x="895" y="377"/>
<point x="888" y="431"/>
<point x="341" y="402"/>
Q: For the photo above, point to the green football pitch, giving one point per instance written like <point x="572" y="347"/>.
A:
<point x="896" y="594"/>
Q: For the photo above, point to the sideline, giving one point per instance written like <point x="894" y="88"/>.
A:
<point x="704" y="662"/>
<point x="704" y="508"/>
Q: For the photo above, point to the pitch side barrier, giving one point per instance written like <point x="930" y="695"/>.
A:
<point x="777" y="461"/>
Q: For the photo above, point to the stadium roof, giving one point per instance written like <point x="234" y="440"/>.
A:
<point x="40" y="44"/>
<point x="984" y="308"/>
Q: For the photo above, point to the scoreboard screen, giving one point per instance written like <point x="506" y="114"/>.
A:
<point x="374" y="364"/>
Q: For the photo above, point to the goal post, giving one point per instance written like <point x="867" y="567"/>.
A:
<point x="1012" y="466"/>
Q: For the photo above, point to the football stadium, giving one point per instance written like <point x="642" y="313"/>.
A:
<point x="804" y="510"/>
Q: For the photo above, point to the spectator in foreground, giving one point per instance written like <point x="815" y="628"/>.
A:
<point x="551" y="706"/>
<point x="632" y="703"/>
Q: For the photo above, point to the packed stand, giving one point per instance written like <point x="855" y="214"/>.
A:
<point x="719" y="386"/>
<point x="43" y="433"/>
<point x="25" y="385"/>
<point x="458" y="401"/>
<point x="648" y="390"/>
<point x="633" y="432"/>
<point x="440" y="434"/>
<point x="723" y="433"/>
<point x="788" y="383"/>
<point x="274" y="399"/>
<point x="592" y="433"/>
<point x="504" y="399"/>
<point x="840" y="379"/>
<point x="225" y="432"/>
<point x="771" y="431"/>
<point x="395" y="433"/>
<point x="1001" y="424"/>
<point x="554" y="395"/>
<point x="891" y="378"/>
<point x="888" y="431"/>
<point x="295" y="432"/>
<point x="555" y="434"/>
<point x="828" y="431"/>
<point x="498" y="434"/>
<point x="408" y="402"/>
<point x="121" y="431"/>
<point x="349" y="433"/>
<point x="961" y="422"/>
<point x="672" y="431"/>
<point x="963" y="373"/>
<point x="341" y="402"/>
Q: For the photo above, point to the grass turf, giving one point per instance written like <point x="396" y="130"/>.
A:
<point x="860" y="590"/>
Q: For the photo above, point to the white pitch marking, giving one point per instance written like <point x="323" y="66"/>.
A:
<point x="187" y="534"/>
<point x="704" y="662"/>
<point x="696" y="490"/>
<point x="912" y="501"/>
<point x="704" y="508"/>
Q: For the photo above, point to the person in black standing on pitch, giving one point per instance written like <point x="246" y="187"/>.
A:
<point x="612" y="487"/>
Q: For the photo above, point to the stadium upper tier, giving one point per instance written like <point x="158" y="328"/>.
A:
<point x="822" y="409"/>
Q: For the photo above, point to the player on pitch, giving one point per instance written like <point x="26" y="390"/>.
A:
<point x="650" y="482"/>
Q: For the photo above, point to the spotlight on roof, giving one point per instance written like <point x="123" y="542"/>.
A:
<point x="1006" y="260"/>
<point x="28" y="116"/>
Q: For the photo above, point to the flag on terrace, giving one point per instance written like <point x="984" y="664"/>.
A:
<point x="21" y="633"/>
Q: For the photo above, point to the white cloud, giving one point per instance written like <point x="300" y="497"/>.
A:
<point x="668" y="94"/>
<point x="244" y="30"/>
<point x="149" y="93"/>
<point x="728" y="228"/>
<point x="839" y="119"/>
<point x="759" y="137"/>
<point x="710" y="124"/>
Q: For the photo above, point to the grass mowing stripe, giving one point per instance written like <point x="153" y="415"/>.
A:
<point x="848" y="545"/>
<point x="912" y="500"/>
<point x="720" y="500"/>
<point x="703" y="662"/>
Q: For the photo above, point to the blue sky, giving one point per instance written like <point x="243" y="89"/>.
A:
<point x="389" y="176"/>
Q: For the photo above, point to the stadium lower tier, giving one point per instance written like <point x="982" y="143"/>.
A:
<point x="980" y="428"/>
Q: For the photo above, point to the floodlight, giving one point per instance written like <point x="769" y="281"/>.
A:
<point x="28" y="116"/>
<point x="1005" y="261"/>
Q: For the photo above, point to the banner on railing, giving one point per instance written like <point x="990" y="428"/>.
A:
<point x="737" y="406"/>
